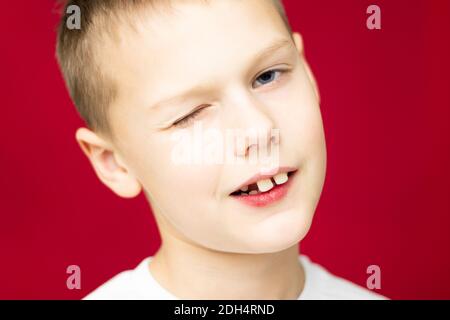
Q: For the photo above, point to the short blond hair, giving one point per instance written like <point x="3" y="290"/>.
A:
<point x="91" y="90"/>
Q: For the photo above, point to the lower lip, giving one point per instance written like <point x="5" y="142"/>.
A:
<point x="276" y="194"/>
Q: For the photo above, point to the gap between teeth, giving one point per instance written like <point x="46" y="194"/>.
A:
<point x="266" y="184"/>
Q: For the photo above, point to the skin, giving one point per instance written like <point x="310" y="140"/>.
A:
<point x="213" y="246"/>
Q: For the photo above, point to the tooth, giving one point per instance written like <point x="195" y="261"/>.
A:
<point x="281" y="178"/>
<point x="265" y="185"/>
<point x="244" y="194"/>
<point x="253" y="192"/>
<point x="244" y="188"/>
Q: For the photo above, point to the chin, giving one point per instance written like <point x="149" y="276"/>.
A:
<point x="279" y="232"/>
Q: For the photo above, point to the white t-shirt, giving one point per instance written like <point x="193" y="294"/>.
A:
<point x="139" y="284"/>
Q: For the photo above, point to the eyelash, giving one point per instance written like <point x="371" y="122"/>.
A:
<point x="187" y="120"/>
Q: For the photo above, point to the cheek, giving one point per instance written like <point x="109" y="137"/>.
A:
<point x="153" y="159"/>
<point x="185" y="197"/>
<point x="172" y="183"/>
<point x="180" y="190"/>
<point x="302" y="132"/>
<point x="299" y="116"/>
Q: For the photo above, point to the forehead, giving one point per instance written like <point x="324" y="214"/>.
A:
<point x="193" y="42"/>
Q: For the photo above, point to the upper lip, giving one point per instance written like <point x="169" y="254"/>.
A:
<point x="255" y="178"/>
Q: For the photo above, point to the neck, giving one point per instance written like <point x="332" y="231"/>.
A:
<point x="189" y="271"/>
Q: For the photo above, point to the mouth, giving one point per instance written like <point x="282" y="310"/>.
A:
<point x="264" y="190"/>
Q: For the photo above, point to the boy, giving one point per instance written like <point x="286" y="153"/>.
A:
<point x="142" y="73"/>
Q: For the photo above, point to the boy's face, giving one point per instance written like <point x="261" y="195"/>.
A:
<point x="215" y="49"/>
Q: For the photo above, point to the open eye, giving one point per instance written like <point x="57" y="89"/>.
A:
<point x="268" y="77"/>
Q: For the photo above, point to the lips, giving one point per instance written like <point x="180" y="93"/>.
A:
<point x="262" y="190"/>
<point x="263" y="184"/>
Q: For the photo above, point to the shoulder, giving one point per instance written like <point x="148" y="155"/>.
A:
<point x="320" y="284"/>
<point x="126" y="285"/>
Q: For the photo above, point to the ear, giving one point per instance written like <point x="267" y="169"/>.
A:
<point x="108" y="166"/>
<point x="298" y="40"/>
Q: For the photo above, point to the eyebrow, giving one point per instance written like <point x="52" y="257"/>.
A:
<point x="199" y="89"/>
<point x="270" y="50"/>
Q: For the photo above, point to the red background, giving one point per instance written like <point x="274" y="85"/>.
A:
<point x="386" y="108"/>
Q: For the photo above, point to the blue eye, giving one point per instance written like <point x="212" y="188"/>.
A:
<point x="268" y="77"/>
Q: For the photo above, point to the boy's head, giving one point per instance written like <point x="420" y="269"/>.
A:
<point x="142" y="72"/>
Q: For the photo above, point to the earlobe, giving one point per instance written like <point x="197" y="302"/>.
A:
<point x="104" y="160"/>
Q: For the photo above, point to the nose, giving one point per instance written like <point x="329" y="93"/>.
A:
<point x="253" y="126"/>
